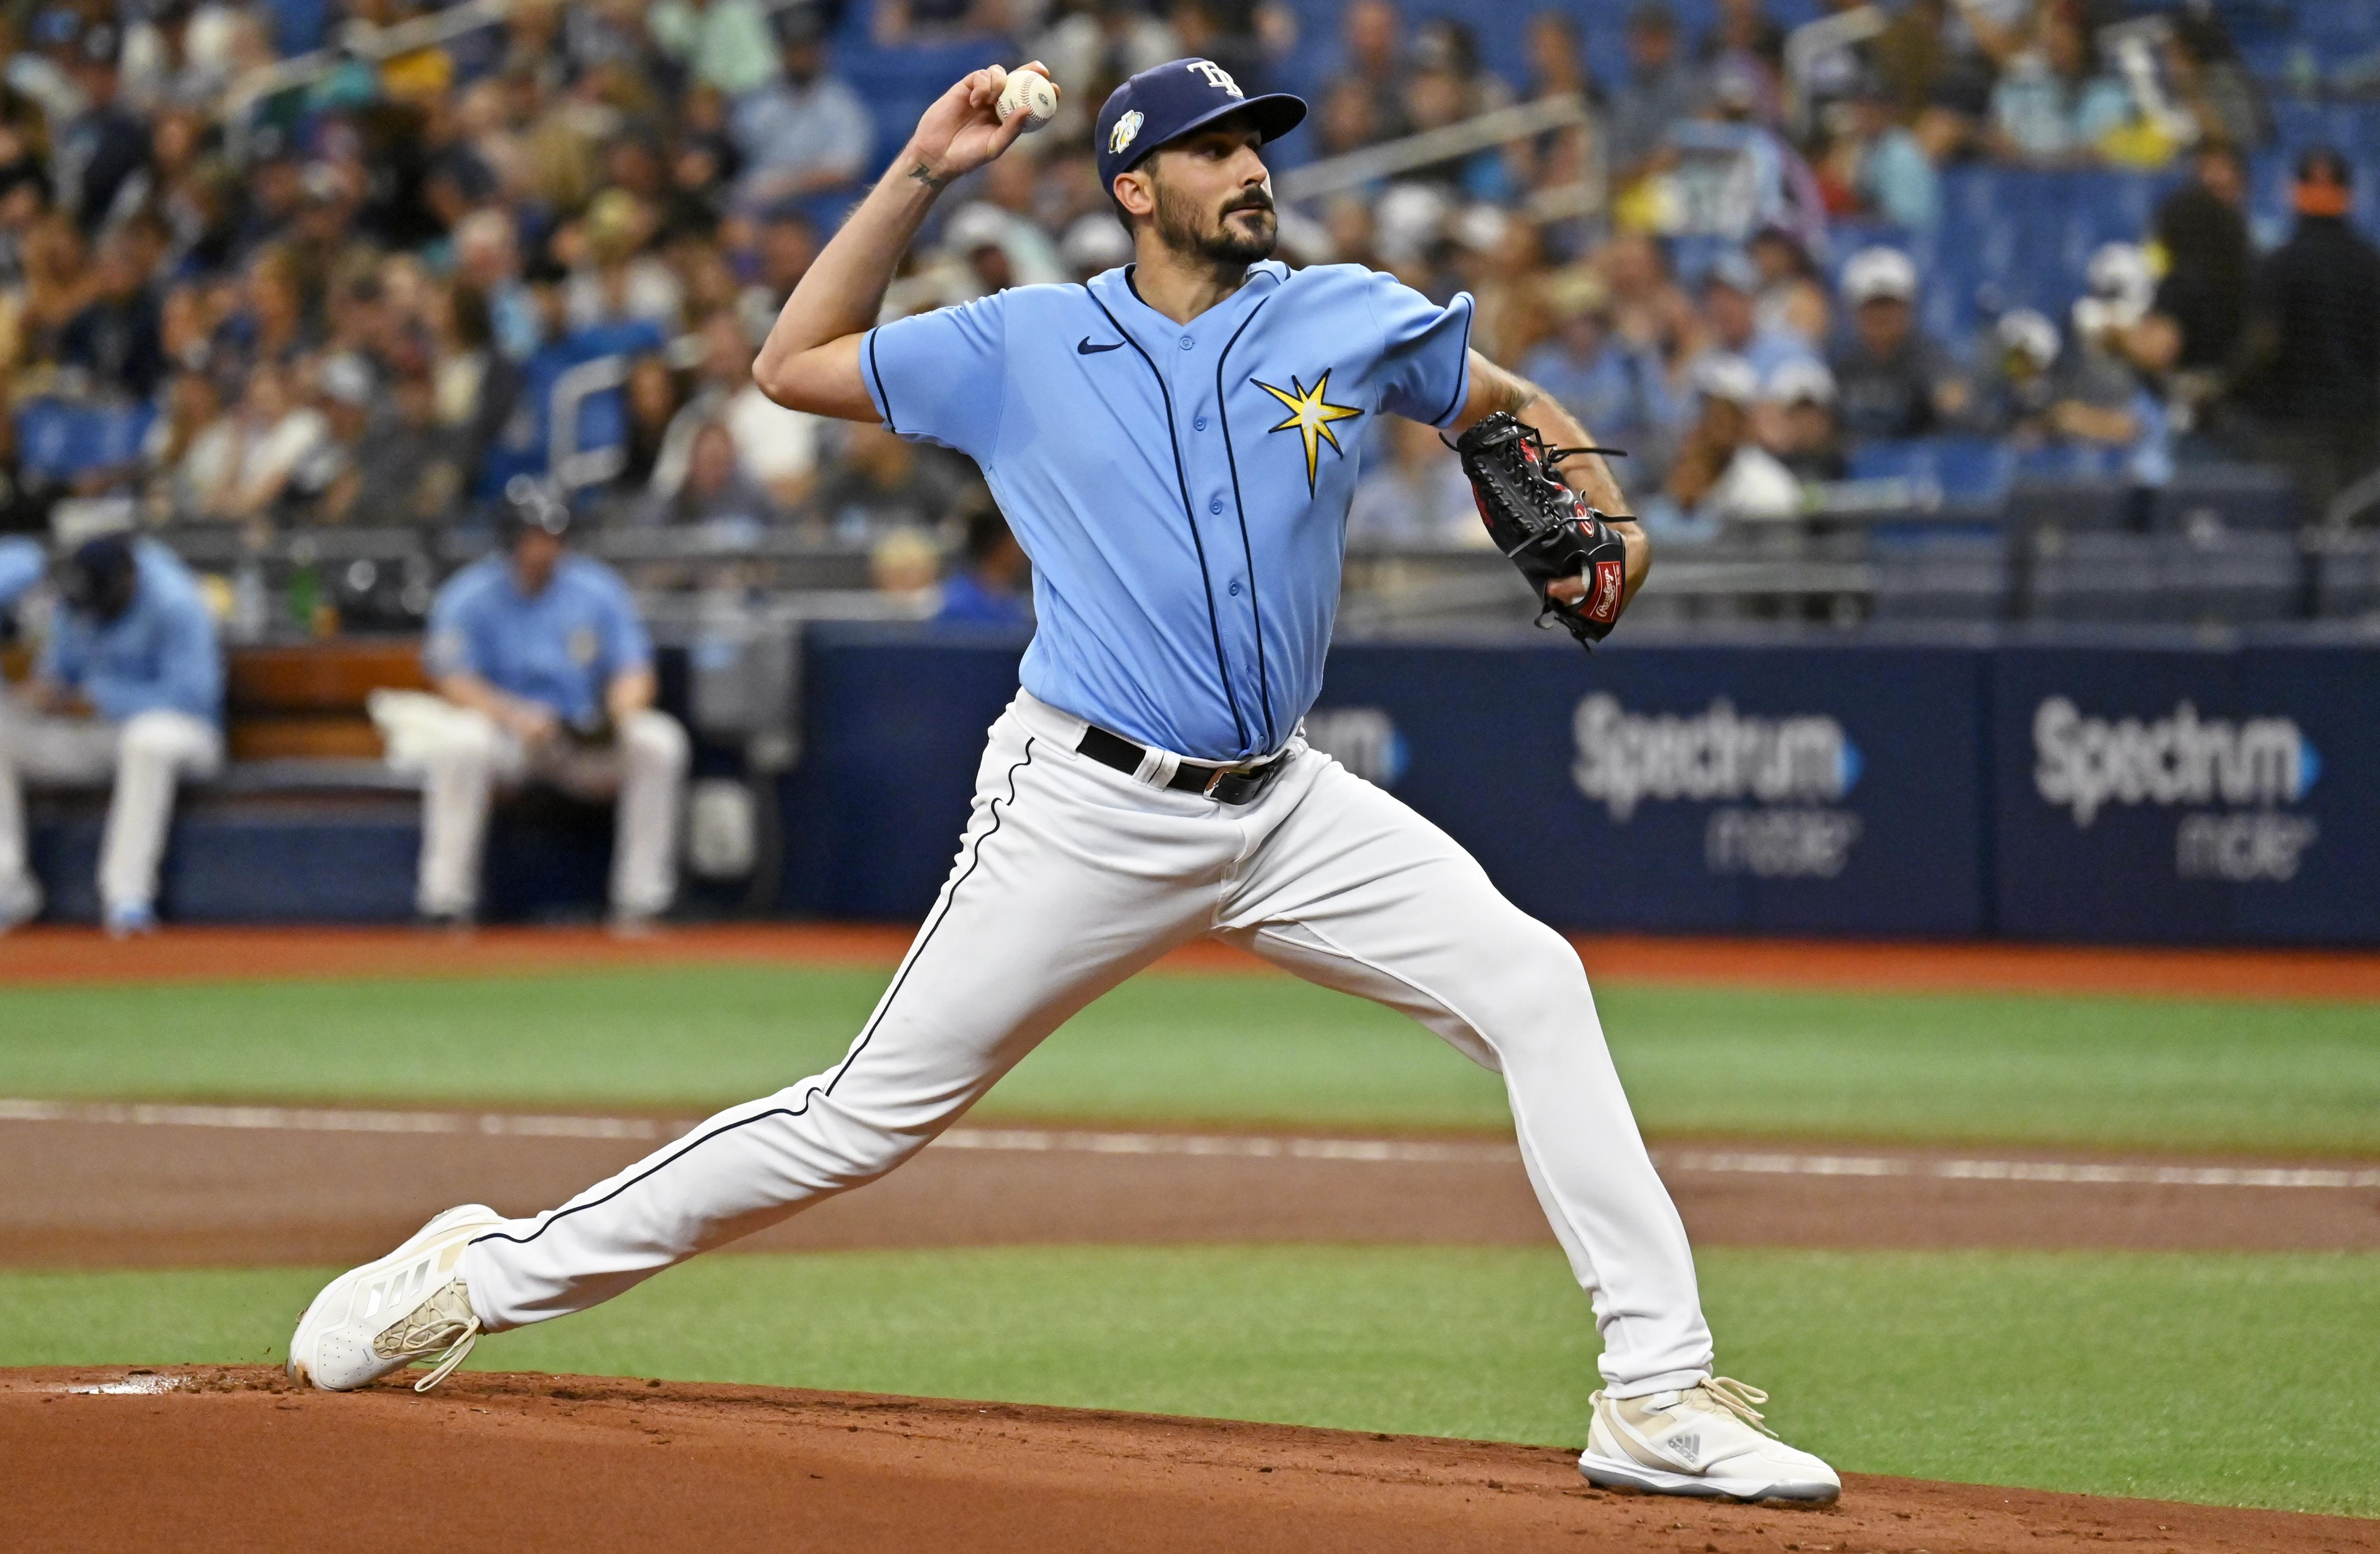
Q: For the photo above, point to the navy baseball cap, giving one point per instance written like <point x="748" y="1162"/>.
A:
<point x="1166" y="102"/>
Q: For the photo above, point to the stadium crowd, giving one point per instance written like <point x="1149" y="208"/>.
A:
<point x="358" y="299"/>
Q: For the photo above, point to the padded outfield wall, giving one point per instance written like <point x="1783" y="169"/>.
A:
<point x="2111" y="789"/>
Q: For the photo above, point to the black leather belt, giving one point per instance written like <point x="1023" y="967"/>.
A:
<point x="1225" y="785"/>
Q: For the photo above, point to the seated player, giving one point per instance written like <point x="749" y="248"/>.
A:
<point x="552" y="676"/>
<point x="130" y="685"/>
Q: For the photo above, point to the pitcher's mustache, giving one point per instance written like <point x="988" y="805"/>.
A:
<point x="1255" y="200"/>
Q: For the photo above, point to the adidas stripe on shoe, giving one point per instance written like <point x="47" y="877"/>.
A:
<point x="1706" y="1440"/>
<point x="409" y="1305"/>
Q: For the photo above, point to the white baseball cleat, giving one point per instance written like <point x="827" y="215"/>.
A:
<point x="411" y="1305"/>
<point x="1707" y="1440"/>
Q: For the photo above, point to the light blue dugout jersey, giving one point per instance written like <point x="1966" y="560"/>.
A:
<point x="160" y="655"/>
<point x="23" y="563"/>
<point x="560" y="646"/>
<point x="1181" y="489"/>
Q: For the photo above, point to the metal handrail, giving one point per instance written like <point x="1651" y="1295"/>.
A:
<point x="1811" y="38"/>
<point x="357" y="39"/>
<point x="362" y="40"/>
<point x="1498" y="126"/>
<point x="571" y="467"/>
<point x="2359" y="497"/>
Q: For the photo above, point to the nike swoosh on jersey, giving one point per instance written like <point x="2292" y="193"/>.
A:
<point x="1086" y="348"/>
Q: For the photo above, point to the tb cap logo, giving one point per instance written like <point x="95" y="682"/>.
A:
<point x="1216" y="77"/>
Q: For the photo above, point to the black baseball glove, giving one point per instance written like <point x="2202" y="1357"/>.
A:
<point x="1542" y="527"/>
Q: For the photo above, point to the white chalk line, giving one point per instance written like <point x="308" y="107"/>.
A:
<point x="287" y="1119"/>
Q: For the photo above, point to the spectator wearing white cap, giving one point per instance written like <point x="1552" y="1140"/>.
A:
<point x="1892" y="380"/>
<point x="1796" y="420"/>
<point x="1722" y="474"/>
<point x="2103" y="397"/>
<point x="2014" y="389"/>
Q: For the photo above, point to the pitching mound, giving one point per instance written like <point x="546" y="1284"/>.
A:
<point x="206" y="1458"/>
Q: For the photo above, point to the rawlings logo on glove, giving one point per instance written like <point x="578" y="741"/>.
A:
<point x="1542" y="527"/>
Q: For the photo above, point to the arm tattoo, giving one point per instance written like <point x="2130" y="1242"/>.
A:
<point x="927" y="176"/>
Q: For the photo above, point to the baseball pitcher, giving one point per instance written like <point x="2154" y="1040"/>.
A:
<point x="1175" y="443"/>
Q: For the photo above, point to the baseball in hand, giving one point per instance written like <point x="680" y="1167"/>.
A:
<point x="1030" y="90"/>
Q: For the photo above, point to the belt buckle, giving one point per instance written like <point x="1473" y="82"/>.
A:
<point x="1246" y="782"/>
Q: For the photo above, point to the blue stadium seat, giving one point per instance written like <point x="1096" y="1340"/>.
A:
<point x="898" y="84"/>
<point x="2071" y="461"/>
<point x="57" y="439"/>
<point x="298" y="25"/>
<point x="1965" y="470"/>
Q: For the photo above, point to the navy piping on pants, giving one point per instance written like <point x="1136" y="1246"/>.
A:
<point x="840" y="1069"/>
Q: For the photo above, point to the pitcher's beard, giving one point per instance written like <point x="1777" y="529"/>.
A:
<point x="1178" y="223"/>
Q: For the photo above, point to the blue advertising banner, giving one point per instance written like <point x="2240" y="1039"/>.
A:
<point x="894" y="718"/>
<point x="1824" y="790"/>
<point x="2188" y="796"/>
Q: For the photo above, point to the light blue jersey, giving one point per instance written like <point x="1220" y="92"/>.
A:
<point x="22" y="564"/>
<point x="560" y="646"/>
<point x="161" y="654"/>
<point x="1181" y="489"/>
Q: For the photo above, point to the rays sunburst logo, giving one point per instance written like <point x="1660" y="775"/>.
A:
<point x="1310" y="414"/>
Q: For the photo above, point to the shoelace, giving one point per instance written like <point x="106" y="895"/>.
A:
<point x="429" y="1331"/>
<point x="454" y="1356"/>
<point x="1738" y="1398"/>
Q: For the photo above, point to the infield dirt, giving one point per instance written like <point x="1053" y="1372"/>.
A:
<point x="94" y="1194"/>
<point x="215" y="1459"/>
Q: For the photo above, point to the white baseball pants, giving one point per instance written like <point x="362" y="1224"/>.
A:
<point x="468" y="757"/>
<point x="148" y="754"/>
<point x="1071" y="876"/>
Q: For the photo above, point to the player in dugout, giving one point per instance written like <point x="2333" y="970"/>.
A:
<point x="1175" y="443"/>
<point x="129" y="685"/>
<point x="550" y="676"/>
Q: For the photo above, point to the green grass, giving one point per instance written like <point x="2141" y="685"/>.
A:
<point x="1251" y="1050"/>
<point x="2236" y="1379"/>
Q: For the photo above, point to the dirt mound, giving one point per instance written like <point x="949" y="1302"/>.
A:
<point x="206" y="1458"/>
